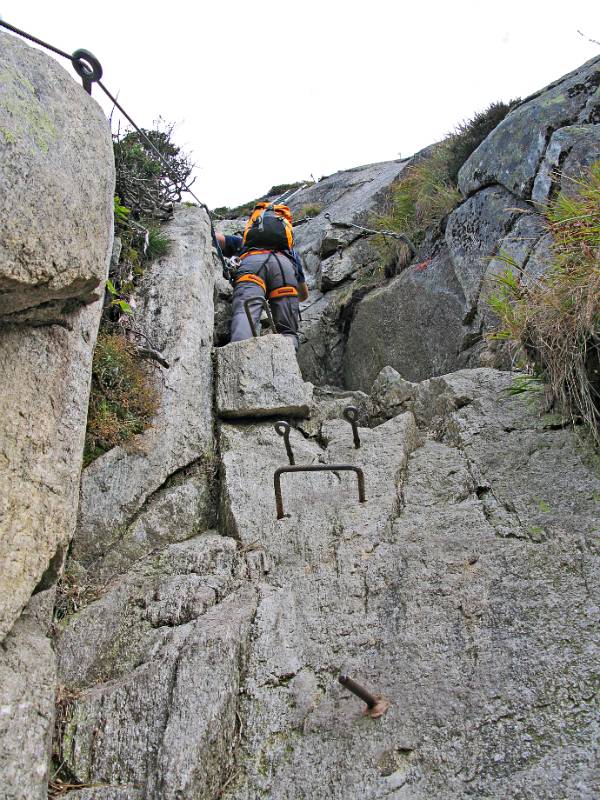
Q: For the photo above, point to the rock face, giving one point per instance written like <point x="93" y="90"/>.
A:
<point x="56" y="158"/>
<point x="46" y="376"/>
<point x="200" y="638"/>
<point x="427" y="326"/>
<point x="56" y="198"/>
<point x="174" y="307"/>
<point x="260" y="378"/>
<point x="511" y="155"/>
<point x="27" y="695"/>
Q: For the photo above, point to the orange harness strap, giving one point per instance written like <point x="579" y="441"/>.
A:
<point x="283" y="291"/>
<point x="250" y="276"/>
<point x="255" y="253"/>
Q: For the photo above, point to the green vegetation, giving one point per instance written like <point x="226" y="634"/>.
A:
<point x="427" y="190"/>
<point x="311" y="210"/>
<point x="554" y="323"/>
<point x="122" y="400"/>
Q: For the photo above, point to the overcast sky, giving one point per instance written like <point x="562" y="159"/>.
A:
<point x="272" y="92"/>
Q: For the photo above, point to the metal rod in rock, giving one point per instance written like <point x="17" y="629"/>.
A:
<point x="351" y="416"/>
<point x="316" y="468"/>
<point x="283" y="429"/>
<point x="376" y="704"/>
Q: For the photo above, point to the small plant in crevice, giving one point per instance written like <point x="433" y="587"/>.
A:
<point x="61" y="779"/>
<point x="554" y="322"/>
<point x="123" y="399"/>
<point x="311" y="210"/>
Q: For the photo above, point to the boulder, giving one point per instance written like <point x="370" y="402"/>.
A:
<point x="413" y="324"/>
<point x="345" y="262"/>
<point x="57" y="182"/>
<point x="512" y="153"/>
<point x="46" y="373"/>
<point x="261" y="378"/>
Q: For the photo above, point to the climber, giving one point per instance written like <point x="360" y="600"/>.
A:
<point x="268" y="265"/>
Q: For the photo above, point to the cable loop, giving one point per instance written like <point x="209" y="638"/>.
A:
<point x="87" y="66"/>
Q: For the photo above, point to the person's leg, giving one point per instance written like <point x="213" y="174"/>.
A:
<point x="285" y="310"/>
<point x="240" y="327"/>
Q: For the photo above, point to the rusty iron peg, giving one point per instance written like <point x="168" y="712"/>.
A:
<point x="351" y="416"/>
<point x="283" y="429"/>
<point x="376" y="704"/>
<point x="316" y="468"/>
<point x="265" y="305"/>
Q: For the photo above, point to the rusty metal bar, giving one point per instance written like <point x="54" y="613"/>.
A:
<point x="283" y="429"/>
<point x="265" y="305"/>
<point x="376" y="704"/>
<point x="351" y="416"/>
<point x="316" y="468"/>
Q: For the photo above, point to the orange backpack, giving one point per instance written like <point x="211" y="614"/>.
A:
<point x="269" y="228"/>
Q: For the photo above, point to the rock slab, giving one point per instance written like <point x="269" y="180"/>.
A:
<point x="45" y="376"/>
<point x="261" y="378"/>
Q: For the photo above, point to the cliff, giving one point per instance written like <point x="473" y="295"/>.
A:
<point x="202" y="657"/>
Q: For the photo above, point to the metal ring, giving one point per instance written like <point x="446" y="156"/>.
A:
<point x="351" y="414"/>
<point x="282" y="428"/>
<point x="87" y="66"/>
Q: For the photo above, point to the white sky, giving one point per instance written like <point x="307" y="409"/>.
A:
<point x="272" y="92"/>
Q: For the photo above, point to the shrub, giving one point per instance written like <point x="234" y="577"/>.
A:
<point x="311" y="210"/>
<point x="143" y="182"/>
<point x="122" y="398"/>
<point x="555" y="322"/>
<point x="468" y="135"/>
<point x="423" y="196"/>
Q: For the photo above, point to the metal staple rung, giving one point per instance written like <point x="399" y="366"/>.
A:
<point x="265" y="305"/>
<point x="316" y="468"/>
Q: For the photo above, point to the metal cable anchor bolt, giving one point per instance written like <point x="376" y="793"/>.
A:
<point x="283" y="429"/>
<point x="351" y="416"/>
<point x="377" y="705"/>
<point x="87" y="66"/>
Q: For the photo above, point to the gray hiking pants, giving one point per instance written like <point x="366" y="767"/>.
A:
<point x="275" y="270"/>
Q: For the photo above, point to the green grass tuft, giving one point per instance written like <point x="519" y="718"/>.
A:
<point x="555" y="321"/>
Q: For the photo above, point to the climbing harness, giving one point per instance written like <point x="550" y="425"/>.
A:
<point x="283" y="291"/>
<point x="371" y="232"/>
<point x="250" y="277"/>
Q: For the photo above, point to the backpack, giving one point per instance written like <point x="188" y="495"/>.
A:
<point x="269" y="228"/>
